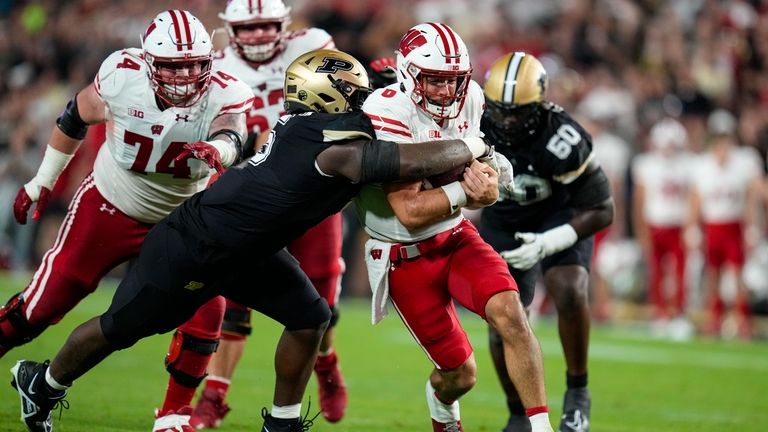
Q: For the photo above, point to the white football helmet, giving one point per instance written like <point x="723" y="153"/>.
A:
<point x="433" y="50"/>
<point x="668" y="135"/>
<point x="176" y="40"/>
<point x="246" y="13"/>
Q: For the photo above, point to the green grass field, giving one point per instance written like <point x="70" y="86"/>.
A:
<point x="638" y="384"/>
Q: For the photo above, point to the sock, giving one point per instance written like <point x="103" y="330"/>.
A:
<point x="540" y="422"/>
<point x="177" y="395"/>
<point x="516" y="407"/>
<point x="286" y="412"/>
<point x="220" y="384"/>
<point x="439" y="410"/>
<point x="51" y="381"/>
<point x="326" y="362"/>
<point x="575" y="381"/>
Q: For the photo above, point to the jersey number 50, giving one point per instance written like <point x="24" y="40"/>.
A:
<point x="563" y="141"/>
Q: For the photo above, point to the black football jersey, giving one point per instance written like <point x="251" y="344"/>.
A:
<point x="554" y="156"/>
<point x="277" y="195"/>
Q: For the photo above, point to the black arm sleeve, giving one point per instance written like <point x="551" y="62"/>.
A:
<point x="381" y="161"/>
<point x="70" y="123"/>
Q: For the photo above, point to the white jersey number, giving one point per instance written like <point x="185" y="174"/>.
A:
<point x="563" y="141"/>
<point x="165" y="165"/>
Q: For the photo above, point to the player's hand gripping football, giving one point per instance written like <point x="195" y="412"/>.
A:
<point x="480" y="184"/>
<point x="28" y="194"/>
<point x="204" y="151"/>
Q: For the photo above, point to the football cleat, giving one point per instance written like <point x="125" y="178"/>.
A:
<point x="447" y="427"/>
<point x="299" y="424"/>
<point x="330" y="383"/>
<point x="517" y="423"/>
<point x="37" y="401"/>
<point x="576" y="407"/>
<point x="210" y="409"/>
<point x="173" y="420"/>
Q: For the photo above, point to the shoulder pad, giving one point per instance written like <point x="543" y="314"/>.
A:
<point x="309" y="39"/>
<point x="348" y="126"/>
<point x="231" y="94"/>
<point x="119" y="70"/>
<point x="390" y="110"/>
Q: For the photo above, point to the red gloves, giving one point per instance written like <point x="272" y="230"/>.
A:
<point x="204" y="151"/>
<point x="23" y="202"/>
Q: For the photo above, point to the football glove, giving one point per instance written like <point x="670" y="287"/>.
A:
<point x="537" y="246"/>
<point x="39" y="188"/>
<point x="382" y="72"/>
<point x="24" y="199"/>
<point x="204" y="151"/>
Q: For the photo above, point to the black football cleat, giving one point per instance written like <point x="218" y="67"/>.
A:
<point x="299" y="424"/>
<point x="517" y="423"/>
<point x="576" y="406"/>
<point x="37" y="402"/>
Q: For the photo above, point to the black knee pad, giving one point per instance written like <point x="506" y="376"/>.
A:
<point x="237" y="322"/>
<point x="313" y="316"/>
<point x="335" y="314"/>
<point x="15" y="330"/>
<point x="180" y="343"/>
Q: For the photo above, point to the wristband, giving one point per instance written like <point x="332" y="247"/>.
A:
<point x="227" y="151"/>
<point x="456" y="195"/>
<point x="559" y="238"/>
<point x="54" y="162"/>
<point x="478" y="147"/>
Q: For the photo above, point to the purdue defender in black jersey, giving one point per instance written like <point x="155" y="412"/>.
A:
<point x="233" y="235"/>
<point x="561" y="199"/>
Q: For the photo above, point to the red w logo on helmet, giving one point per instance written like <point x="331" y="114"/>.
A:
<point x="412" y="40"/>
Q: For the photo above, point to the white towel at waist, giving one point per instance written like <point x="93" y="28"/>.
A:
<point x="377" y="262"/>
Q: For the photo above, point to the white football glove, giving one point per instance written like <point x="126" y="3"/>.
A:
<point x="503" y="167"/>
<point x="537" y="246"/>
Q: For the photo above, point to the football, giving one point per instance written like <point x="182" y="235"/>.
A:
<point x="450" y="176"/>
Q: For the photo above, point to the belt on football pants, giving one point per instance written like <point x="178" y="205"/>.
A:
<point x="406" y="251"/>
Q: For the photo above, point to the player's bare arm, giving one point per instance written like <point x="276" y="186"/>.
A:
<point x="384" y="161"/>
<point x="85" y="108"/>
<point x="416" y="207"/>
<point x="591" y="195"/>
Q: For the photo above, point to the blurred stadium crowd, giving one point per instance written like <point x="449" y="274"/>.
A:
<point x="619" y="66"/>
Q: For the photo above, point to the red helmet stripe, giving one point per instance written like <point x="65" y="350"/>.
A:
<point x="260" y="10"/>
<point x="187" y="29"/>
<point x="446" y="47"/>
<point x="455" y="43"/>
<point x="176" y="29"/>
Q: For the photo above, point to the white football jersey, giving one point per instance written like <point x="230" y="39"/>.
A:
<point x="267" y="79"/>
<point x="723" y="188"/>
<point x="396" y="117"/>
<point x="665" y="180"/>
<point x="135" y="168"/>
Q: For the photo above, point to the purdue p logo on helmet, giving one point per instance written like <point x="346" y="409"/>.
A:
<point x="327" y="81"/>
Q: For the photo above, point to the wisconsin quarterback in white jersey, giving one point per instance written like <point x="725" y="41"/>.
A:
<point x="423" y="254"/>
<point x="259" y="52"/>
<point x="172" y="120"/>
